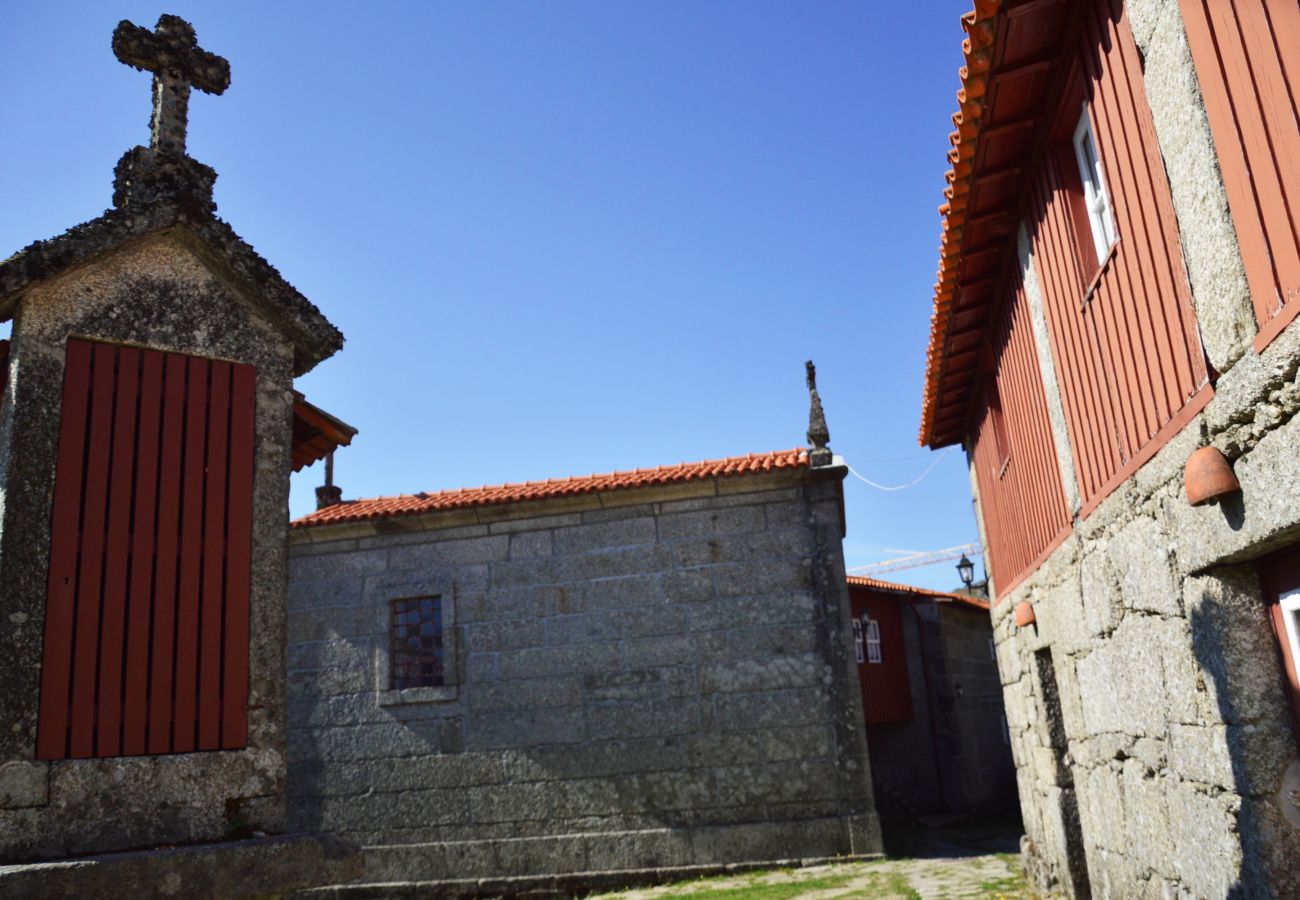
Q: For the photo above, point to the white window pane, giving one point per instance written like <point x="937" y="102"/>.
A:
<point x="1096" y="200"/>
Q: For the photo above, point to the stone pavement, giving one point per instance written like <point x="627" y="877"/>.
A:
<point x="988" y="876"/>
<point x="929" y="864"/>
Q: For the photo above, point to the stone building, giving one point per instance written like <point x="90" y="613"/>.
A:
<point x="146" y="428"/>
<point x="932" y="703"/>
<point x="610" y="677"/>
<point x="1113" y="343"/>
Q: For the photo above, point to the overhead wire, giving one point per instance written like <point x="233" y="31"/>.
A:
<point x="899" y="487"/>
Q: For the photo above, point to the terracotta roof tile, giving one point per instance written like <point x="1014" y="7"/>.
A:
<point x="977" y="50"/>
<point x="863" y="581"/>
<point x="462" y="498"/>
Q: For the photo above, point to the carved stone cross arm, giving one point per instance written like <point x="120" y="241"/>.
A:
<point x="172" y="54"/>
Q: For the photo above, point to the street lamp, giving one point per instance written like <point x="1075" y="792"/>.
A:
<point x="966" y="571"/>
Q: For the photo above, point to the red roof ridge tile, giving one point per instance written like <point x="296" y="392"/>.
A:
<point x="488" y="495"/>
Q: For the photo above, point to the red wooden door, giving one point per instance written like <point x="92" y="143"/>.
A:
<point x="147" y="604"/>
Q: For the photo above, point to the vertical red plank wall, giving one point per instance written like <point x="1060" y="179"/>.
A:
<point x="1247" y="57"/>
<point x="147" y="608"/>
<point x="1128" y="355"/>
<point x="1021" y="497"/>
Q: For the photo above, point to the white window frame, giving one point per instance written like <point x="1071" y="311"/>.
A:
<point x="1290" y="603"/>
<point x="872" y="641"/>
<point x="1096" y="198"/>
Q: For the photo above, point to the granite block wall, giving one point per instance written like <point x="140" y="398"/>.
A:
<point x="650" y="678"/>
<point x="1154" y="751"/>
<point x="160" y="293"/>
<point x="951" y="757"/>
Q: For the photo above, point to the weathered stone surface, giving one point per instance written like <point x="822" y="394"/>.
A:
<point x="23" y="784"/>
<point x="251" y="868"/>
<point x="669" y="665"/>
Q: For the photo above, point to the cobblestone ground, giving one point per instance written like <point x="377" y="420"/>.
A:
<point x="937" y="866"/>
<point x="991" y="876"/>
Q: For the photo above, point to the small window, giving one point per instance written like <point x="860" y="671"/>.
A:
<point x="416" y="657"/>
<point x="873" y="641"/>
<point x="1096" y="199"/>
<point x="993" y="650"/>
<point x="857" y="641"/>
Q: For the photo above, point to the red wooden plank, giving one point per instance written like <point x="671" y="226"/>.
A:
<point x="191" y="556"/>
<point x="1171" y="305"/>
<point x="136" y="695"/>
<point x="90" y="582"/>
<point x="1184" y="332"/>
<point x="117" y="547"/>
<point x="1229" y="144"/>
<point x="214" y="534"/>
<point x="163" y="658"/>
<point x="1063" y="326"/>
<point x="1279" y="119"/>
<point x="61" y="590"/>
<point x="1284" y="17"/>
<point x="234" y="725"/>
<point x="1260" y="158"/>
<point x="1113" y="314"/>
<point x="1147" y="392"/>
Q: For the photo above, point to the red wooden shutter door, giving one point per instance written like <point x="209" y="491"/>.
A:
<point x="147" y="605"/>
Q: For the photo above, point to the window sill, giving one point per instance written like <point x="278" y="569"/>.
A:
<point x="441" y="694"/>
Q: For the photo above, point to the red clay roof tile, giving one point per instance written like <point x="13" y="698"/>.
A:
<point x="863" y="581"/>
<point x="463" y="498"/>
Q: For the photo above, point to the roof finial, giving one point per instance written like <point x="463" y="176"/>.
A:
<point x="818" y="434"/>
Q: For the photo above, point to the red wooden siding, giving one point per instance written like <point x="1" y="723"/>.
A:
<point x="1247" y="55"/>
<point x="146" y="627"/>
<point x="1021" y="496"/>
<point x="886" y="691"/>
<point x="1128" y="356"/>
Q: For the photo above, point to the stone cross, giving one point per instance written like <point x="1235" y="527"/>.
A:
<point x="172" y="54"/>
<point x="819" y="436"/>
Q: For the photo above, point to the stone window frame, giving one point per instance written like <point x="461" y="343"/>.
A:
<point x="379" y="596"/>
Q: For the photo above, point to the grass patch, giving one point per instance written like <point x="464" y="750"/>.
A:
<point x="899" y="886"/>
<point x="755" y="889"/>
<point x="1013" y="885"/>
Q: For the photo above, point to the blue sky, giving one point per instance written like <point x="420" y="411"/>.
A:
<point x="560" y="237"/>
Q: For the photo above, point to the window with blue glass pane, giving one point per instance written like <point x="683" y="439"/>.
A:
<point x="416" y="658"/>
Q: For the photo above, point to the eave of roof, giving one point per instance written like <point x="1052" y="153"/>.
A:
<point x="316" y="433"/>
<point x="462" y="498"/>
<point x="1009" y="53"/>
<point x="891" y="587"/>
<point x="314" y="338"/>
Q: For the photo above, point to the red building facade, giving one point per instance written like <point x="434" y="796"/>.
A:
<point x="1119" y="268"/>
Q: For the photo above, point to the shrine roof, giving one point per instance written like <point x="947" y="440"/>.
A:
<point x="314" y="338"/>
<point x="462" y="498"/>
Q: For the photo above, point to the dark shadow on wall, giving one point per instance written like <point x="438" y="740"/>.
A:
<point x="1233" y="642"/>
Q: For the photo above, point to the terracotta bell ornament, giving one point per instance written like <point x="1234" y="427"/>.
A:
<point x="1208" y="476"/>
<point x="1025" y="614"/>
